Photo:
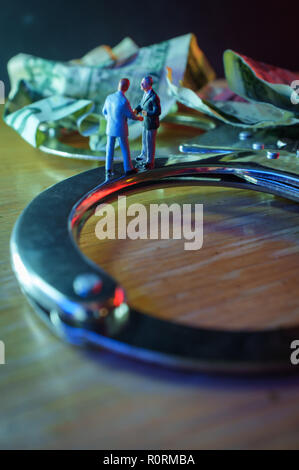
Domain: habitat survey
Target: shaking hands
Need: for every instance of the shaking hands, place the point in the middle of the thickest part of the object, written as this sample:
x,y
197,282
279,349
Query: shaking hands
x,y
138,118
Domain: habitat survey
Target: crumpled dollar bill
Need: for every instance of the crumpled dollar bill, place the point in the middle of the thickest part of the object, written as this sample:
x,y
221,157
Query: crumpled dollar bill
x,y
258,95
257,81
70,95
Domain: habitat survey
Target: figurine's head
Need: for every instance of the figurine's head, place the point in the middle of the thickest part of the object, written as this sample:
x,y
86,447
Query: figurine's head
x,y
123,84
146,83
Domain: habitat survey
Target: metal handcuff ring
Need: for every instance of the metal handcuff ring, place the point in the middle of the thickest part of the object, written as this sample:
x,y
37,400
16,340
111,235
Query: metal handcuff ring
x,y
49,265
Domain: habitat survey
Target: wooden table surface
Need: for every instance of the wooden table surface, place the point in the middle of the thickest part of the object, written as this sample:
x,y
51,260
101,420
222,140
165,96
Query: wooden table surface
x,y
55,396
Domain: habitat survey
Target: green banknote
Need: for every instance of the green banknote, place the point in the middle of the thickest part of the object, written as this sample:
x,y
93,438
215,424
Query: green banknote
x,y
71,94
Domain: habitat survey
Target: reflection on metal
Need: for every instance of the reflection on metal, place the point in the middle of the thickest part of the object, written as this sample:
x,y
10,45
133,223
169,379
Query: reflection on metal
x,y
225,136
197,121
54,147
2,353
258,146
47,261
2,92
187,148
272,155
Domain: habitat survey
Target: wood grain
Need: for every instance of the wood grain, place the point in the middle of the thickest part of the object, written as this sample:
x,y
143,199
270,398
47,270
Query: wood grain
x,y
56,396
250,239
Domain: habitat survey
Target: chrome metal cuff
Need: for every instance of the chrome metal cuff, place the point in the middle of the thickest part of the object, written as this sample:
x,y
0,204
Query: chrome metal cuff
x,y
51,269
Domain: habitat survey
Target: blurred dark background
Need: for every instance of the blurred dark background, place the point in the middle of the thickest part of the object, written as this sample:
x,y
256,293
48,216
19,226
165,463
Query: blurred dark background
x,y
62,30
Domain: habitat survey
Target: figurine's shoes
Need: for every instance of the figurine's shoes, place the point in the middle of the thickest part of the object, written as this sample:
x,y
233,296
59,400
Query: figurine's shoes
x,y
133,171
149,166
109,174
140,158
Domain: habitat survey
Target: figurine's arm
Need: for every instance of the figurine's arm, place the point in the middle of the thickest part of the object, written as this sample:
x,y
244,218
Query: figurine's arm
x,y
130,113
138,109
104,110
156,111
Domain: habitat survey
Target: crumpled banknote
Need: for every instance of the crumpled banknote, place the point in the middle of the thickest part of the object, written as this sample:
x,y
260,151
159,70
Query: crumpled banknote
x,y
257,81
70,95
258,95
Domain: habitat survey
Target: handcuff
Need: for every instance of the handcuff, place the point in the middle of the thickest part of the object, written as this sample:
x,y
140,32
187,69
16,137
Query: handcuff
x,y
84,305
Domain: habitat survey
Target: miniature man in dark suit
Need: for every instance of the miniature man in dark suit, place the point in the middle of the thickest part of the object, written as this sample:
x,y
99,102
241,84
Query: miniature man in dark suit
x,y
151,110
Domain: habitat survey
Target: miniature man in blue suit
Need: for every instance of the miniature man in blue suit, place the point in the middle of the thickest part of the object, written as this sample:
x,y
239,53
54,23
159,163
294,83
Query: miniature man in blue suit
x,y
117,111
151,109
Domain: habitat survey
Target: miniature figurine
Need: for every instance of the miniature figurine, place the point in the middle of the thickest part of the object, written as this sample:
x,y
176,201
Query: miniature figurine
x,y
151,110
117,110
